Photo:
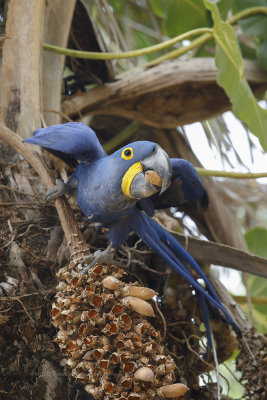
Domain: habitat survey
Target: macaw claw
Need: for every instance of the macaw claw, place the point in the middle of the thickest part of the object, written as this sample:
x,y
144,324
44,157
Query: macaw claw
x,y
56,191
99,257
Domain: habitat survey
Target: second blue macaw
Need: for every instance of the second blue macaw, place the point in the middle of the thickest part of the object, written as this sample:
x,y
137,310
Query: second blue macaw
x,y
122,190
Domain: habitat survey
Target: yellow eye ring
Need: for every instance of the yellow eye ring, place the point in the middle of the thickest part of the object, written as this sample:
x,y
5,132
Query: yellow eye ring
x,y
127,153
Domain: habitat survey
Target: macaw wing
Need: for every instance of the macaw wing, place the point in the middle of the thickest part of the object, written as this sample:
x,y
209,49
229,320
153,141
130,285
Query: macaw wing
x,y
73,138
186,188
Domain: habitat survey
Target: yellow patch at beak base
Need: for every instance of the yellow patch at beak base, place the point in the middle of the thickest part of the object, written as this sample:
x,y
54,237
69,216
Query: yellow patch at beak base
x,y
128,178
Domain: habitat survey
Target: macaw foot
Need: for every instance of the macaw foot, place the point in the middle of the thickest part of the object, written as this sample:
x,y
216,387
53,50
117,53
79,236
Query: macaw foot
x,y
56,191
99,257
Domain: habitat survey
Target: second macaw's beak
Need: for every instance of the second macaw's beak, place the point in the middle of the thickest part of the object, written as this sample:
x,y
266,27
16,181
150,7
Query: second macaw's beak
x,y
152,175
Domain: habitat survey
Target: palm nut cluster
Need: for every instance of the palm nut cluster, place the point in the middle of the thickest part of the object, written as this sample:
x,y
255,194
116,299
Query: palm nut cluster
x,y
105,334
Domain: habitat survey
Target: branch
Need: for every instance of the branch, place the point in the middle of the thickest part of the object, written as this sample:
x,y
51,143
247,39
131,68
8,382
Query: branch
x,y
92,55
150,96
231,174
227,300
254,299
182,50
72,232
223,255
160,46
207,36
247,13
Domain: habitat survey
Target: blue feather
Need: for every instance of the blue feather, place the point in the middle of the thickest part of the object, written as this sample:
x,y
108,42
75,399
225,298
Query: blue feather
x,y
71,138
171,251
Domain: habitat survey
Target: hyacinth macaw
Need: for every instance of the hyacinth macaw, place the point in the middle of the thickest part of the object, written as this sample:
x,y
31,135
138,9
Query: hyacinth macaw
x,y
122,190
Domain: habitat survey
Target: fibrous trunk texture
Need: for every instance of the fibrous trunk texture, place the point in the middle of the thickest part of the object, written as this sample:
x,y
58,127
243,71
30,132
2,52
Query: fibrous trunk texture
x,y
22,49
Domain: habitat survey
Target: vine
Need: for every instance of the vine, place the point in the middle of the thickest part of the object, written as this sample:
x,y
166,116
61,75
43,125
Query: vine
x,y
206,34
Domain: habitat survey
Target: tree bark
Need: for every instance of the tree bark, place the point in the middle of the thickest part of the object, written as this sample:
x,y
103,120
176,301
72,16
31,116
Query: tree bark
x,y
165,96
22,49
58,19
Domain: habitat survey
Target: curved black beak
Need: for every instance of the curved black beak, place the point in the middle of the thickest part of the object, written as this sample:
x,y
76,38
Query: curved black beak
x,y
160,163
155,177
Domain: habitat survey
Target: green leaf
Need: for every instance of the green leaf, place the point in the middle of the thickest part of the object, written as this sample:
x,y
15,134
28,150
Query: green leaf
x,y
231,77
184,15
259,317
240,5
247,51
256,239
142,40
256,25
224,6
262,54
158,7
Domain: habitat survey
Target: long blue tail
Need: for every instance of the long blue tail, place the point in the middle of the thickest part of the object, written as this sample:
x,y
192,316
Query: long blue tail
x,y
164,244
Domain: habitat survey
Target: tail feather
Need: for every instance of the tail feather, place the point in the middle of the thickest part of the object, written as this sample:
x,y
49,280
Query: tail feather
x,y
180,252
146,230
163,243
205,312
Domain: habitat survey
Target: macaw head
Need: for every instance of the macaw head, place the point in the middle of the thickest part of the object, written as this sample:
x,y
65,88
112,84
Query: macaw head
x,y
147,169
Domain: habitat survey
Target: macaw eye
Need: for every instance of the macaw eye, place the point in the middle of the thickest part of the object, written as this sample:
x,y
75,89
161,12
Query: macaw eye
x,y
127,153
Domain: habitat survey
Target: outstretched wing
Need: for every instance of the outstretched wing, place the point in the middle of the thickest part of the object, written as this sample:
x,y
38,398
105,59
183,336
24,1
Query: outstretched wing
x,y
72,138
186,188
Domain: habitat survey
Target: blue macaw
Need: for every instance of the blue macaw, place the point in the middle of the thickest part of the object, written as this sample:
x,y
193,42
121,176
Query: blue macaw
x,y
122,190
